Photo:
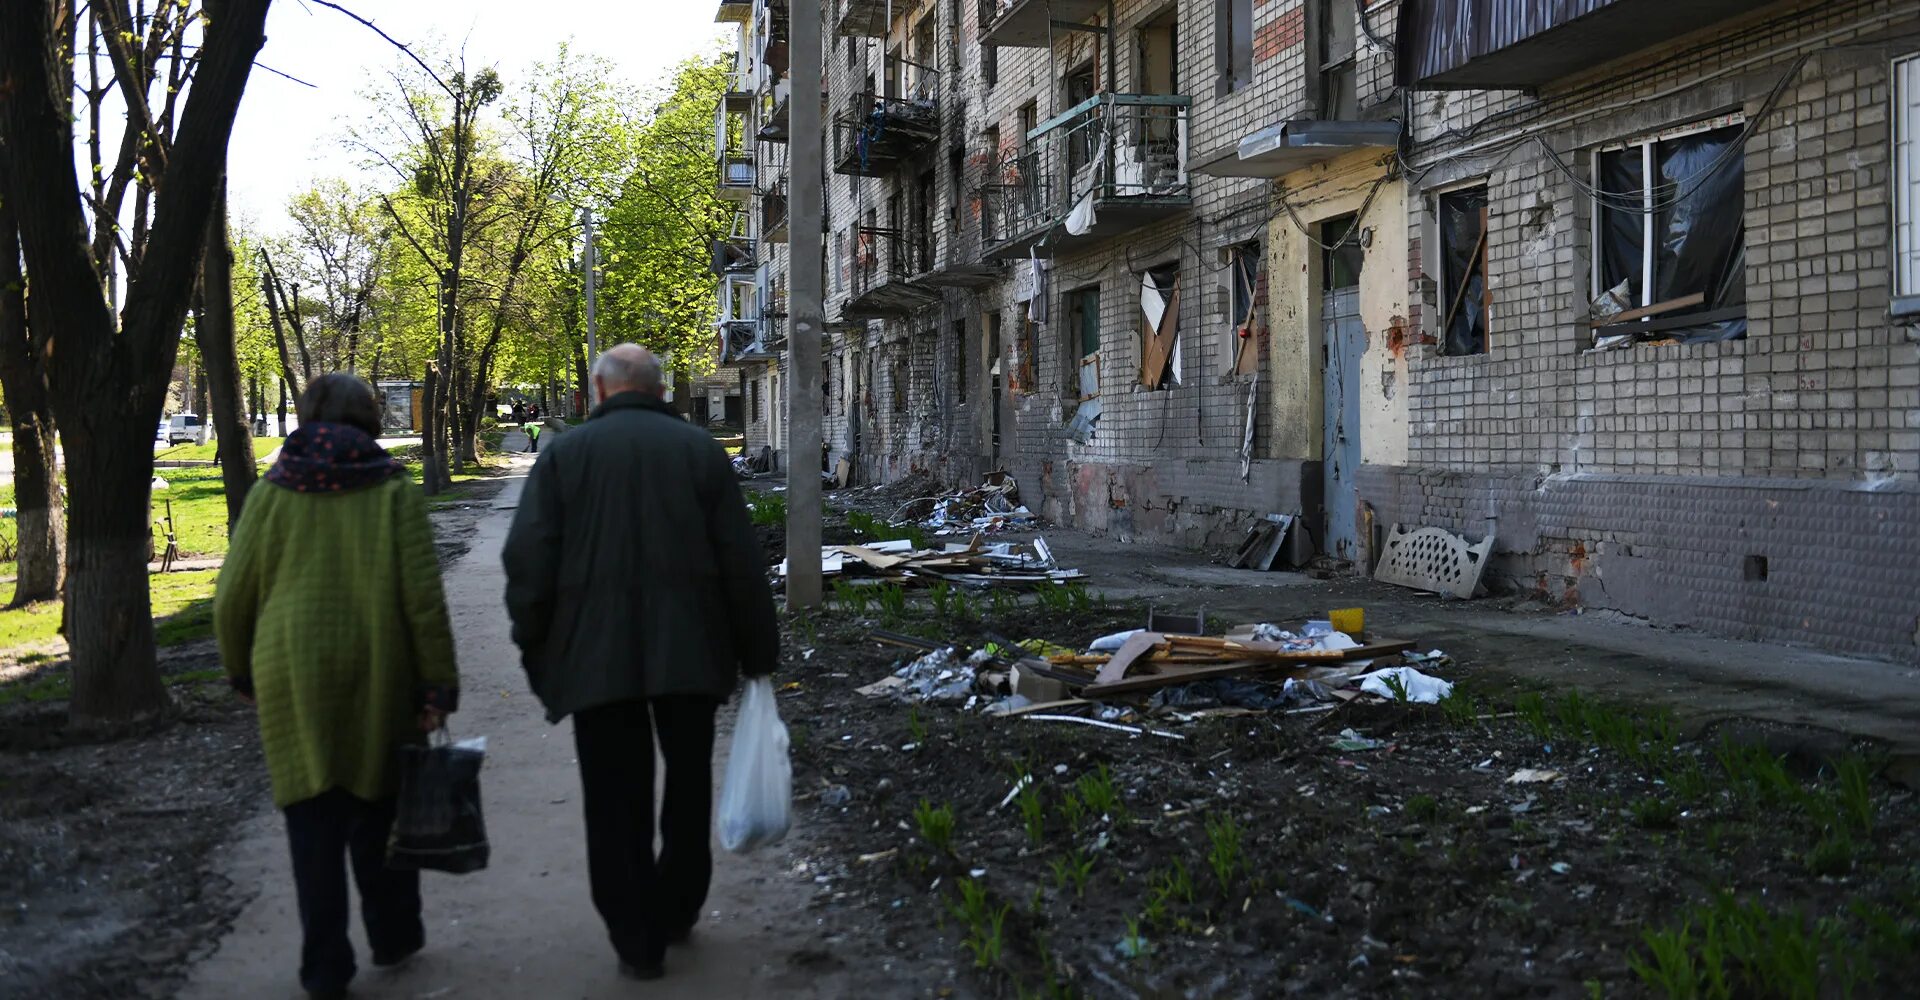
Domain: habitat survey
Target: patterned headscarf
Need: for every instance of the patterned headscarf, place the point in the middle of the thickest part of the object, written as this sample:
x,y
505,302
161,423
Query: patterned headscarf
x,y
332,458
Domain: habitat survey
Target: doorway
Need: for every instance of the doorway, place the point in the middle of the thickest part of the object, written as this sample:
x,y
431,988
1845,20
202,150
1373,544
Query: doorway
x,y
1342,341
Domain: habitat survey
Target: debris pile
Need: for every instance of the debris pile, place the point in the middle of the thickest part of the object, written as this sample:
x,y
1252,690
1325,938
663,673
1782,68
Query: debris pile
x,y
1130,675
976,563
993,506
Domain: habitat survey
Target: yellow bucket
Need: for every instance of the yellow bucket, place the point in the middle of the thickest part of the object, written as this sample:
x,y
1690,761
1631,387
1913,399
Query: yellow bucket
x,y
1352,621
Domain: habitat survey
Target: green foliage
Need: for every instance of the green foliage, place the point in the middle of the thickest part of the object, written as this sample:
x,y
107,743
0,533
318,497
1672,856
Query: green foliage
x,y
1460,709
985,923
871,528
1033,811
1833,856
1532,709
915,727
1653,813
936,825
851,597
1098,794
1396,688
1423,808
1727,948
768,510
892,600
1075,869
1226,850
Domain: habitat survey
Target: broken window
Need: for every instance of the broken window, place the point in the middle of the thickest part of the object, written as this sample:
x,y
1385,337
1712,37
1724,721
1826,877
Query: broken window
x,y
1025,349
753,394
1462,278
826,385
1083,337
1245,263
1906,186
1232,44
960,359
1669,258
1160,327
990,64
1335,24
900,383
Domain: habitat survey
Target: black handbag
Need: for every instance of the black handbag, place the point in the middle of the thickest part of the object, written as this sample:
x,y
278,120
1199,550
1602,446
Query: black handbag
x,y
437,823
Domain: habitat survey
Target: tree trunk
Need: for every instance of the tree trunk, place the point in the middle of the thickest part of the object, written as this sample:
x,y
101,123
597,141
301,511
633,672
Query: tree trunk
x,y
36,486
431,422
283,407
110,613
582,383
220,365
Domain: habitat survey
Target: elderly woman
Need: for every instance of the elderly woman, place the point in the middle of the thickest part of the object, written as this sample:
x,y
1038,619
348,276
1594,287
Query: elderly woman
x,y
331,618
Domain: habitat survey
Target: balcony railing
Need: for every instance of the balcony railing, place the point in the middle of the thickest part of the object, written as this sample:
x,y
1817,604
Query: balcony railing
x,y
875,133
1025,23
773,212
732,256
736,176
1111,164
737,98
734,12
743,340
883,263
1513,44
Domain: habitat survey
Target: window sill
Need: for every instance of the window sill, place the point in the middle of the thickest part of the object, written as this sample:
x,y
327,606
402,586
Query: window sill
x,y
1906,307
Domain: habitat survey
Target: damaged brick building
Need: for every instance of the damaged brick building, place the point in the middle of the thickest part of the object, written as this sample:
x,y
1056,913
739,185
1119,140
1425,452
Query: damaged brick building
x,y
1630,285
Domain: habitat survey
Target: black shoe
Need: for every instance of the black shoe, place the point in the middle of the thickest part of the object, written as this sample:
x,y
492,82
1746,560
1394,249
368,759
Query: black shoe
x,y
387,960
646,971
683,935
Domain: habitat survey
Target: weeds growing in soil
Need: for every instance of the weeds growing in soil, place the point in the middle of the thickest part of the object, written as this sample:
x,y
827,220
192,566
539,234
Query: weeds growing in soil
x,y
1460,709
1226,850
892,600
1002,602
1173,883
768,510
1073,810
1396,688
985,923
1532,709
1652,813
1729,949
869,527
1831,857
1099,796
1033,811
936,825
1423,808
1075,869
916,728
851,598
1053,597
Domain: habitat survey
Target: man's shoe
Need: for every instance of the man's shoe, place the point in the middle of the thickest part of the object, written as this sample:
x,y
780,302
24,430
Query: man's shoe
x,y
683,935
644,971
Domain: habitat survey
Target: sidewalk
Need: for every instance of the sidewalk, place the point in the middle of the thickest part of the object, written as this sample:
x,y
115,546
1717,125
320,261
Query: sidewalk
x,y
526,926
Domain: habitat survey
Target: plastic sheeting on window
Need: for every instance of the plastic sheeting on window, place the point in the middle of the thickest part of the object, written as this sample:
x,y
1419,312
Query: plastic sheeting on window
x,y
1463,242
1699,234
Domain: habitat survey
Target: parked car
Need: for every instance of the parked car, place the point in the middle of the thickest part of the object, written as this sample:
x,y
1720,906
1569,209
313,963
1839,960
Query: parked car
x,y
160,434
183,428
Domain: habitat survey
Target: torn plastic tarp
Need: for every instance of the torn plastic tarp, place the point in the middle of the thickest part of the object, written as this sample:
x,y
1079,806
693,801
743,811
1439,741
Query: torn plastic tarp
x,y
942,675
1082,425
1421,688
1698,230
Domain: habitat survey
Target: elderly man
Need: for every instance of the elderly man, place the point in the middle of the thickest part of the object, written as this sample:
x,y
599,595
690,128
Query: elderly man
x,y
638,591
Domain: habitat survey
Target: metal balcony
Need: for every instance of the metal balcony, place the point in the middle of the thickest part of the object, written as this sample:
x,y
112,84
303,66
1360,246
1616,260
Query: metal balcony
x,y
743,341
735,176
1518,44
735,12
732,256
884,263
866,18
1027,23
737,99
1107,166
773,212
875,133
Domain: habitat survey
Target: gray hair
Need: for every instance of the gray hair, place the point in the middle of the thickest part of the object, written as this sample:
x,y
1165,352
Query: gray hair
x,y
629,367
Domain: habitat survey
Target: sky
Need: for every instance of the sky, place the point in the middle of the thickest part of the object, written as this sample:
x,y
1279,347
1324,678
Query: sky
x,y
288,134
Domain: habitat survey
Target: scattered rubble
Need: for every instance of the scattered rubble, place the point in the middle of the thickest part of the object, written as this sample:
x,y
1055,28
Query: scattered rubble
x,y
974,564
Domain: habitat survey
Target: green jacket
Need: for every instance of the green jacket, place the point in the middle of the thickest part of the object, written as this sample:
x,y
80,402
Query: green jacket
x,y
329,610
633,570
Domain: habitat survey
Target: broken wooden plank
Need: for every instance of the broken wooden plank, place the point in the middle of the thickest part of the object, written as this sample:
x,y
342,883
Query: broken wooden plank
x,y
1696,299
1046,706
1137,645
1170,678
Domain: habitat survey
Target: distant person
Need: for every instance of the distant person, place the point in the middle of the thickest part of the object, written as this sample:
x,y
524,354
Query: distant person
x,y
532,431
638,592
519,412
331,619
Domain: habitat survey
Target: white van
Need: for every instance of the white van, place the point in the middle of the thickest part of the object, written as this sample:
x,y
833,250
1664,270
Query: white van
x,y
183,428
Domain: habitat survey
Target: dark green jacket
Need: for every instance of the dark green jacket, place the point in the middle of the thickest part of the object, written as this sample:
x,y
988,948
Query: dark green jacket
x,y
633,570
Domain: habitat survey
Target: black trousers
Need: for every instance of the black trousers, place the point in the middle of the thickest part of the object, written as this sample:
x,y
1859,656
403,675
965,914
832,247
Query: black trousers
x,y
645,898
324,832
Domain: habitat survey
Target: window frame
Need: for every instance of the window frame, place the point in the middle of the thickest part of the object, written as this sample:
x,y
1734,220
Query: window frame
x,y
1904,113
1233,33
1646,141
1444,281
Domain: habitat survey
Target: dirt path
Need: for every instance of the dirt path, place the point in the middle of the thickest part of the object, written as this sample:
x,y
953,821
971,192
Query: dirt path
x,y
526,926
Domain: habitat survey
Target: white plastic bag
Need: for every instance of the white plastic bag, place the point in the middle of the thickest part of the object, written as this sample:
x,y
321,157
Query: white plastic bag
x,y
756,803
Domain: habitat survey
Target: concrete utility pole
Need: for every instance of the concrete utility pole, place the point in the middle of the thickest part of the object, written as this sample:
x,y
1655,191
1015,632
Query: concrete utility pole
x,y
806,241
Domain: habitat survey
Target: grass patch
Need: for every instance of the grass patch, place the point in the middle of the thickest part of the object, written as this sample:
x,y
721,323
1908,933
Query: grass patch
x,y
262,447
182,612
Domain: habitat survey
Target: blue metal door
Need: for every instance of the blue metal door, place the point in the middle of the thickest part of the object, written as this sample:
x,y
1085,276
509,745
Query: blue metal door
x,y
1343,341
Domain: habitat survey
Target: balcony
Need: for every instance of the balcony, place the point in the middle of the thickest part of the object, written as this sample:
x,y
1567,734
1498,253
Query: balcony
x,y
1109,165
876,133
737,99
736,176
884,263
773,212
865,18
743,341
732,256
735,12
1025,23
1520,44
